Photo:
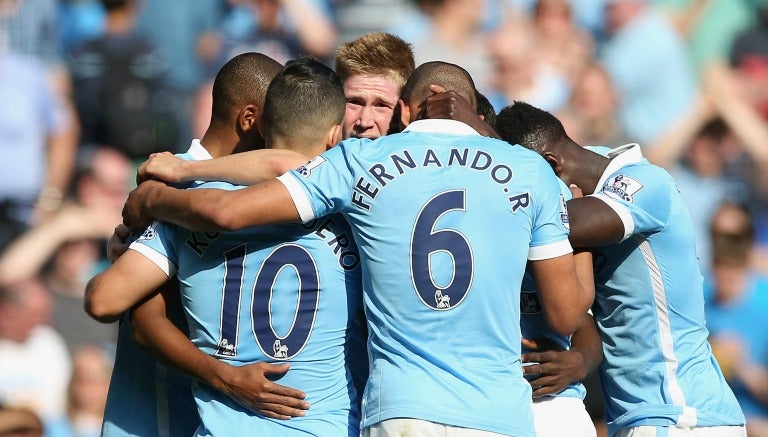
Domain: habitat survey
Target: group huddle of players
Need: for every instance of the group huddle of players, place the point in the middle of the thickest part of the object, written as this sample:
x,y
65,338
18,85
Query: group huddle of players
x,y
384,255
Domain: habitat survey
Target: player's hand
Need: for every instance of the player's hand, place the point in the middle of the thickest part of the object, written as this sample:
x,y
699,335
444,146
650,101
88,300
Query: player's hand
x,y
164,166
250,386
117,243
576,191
448,104
135,214
554,368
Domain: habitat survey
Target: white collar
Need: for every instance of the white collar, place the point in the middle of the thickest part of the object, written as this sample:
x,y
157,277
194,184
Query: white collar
x,y
198,152
620,157
441,126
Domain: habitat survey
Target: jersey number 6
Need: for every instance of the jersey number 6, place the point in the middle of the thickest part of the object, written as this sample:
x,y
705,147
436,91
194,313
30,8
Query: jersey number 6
x,y
426,242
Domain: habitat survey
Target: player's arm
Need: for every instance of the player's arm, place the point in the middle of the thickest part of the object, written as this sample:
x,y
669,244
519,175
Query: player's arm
x,y
250,385
555,368
131,278
593,223
247,168
564,298
210,210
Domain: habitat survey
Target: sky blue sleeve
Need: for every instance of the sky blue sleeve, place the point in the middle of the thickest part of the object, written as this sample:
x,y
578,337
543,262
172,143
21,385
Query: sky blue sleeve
x,y
640,195
324,185
157,244
549,236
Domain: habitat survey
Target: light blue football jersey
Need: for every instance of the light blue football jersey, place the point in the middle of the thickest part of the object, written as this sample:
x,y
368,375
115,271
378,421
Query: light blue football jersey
x,y
658,368
445,220
287,293
145,397
533,324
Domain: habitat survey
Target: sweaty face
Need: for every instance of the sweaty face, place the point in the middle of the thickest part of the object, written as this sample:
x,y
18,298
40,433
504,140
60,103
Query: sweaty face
x,y
370,103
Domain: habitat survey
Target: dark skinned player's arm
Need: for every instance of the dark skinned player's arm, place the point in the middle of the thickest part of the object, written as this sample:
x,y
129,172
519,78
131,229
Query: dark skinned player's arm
x,y
250,384
555,368
593,223
210,210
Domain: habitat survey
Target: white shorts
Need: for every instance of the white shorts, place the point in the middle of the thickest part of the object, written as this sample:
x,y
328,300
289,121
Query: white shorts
x,y
405,427
674,431
557,416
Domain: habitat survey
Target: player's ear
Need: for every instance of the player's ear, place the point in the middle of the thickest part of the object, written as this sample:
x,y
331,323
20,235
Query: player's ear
x,y
248,118
554,161
405,112
333,137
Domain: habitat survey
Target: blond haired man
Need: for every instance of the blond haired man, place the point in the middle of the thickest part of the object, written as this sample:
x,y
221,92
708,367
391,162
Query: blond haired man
x,y
373,69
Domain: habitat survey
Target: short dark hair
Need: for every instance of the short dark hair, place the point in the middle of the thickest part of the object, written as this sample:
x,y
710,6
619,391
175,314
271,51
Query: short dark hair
x,y
450,76
243,80
529,126
485,109
303,101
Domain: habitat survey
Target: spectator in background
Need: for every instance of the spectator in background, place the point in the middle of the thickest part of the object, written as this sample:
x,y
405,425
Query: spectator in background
x,y
180,31
520,73
36,144
280,29
70,243
649,64
31,28
116,80
737,298
591,115
710,26
34,363
717,150
560,42
456,35
749,56
86,394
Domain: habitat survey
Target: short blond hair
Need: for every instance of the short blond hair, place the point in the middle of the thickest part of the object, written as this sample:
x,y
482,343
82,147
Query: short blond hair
x,y
376,53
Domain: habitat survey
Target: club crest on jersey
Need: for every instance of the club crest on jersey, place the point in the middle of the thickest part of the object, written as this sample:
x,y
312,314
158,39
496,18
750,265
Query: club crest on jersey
x,y
149,233
529,302
306,169
622,187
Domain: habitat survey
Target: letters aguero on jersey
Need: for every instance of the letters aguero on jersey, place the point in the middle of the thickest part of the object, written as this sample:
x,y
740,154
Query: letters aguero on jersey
x,y
399,163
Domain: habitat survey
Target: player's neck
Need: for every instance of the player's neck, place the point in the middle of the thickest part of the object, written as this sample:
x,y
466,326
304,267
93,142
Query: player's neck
x,y
219,143
291,144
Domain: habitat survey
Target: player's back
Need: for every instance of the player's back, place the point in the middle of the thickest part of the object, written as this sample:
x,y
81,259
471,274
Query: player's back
x,y
658,368
145,397
273,294
445,224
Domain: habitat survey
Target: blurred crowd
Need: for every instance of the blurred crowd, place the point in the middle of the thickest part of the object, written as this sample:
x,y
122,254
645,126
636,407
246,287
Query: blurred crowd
x,y
88,88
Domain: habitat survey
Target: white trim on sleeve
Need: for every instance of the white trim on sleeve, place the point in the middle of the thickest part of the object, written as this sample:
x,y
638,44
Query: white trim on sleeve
x,y
551,250
622,211
299,196
156,257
